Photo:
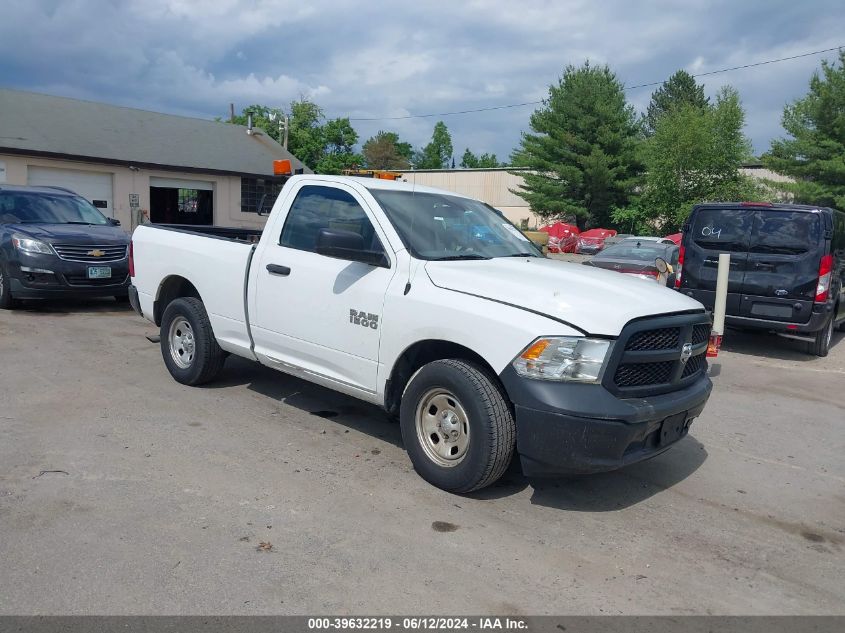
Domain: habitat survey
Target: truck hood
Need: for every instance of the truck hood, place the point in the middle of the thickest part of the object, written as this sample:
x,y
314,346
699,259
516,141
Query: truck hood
x,y
101,234
593,300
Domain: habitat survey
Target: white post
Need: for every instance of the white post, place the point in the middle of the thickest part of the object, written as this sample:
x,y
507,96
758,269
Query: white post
x,y
721,293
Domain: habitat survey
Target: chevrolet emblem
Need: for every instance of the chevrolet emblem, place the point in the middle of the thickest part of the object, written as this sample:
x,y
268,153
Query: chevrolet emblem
x,y
96,253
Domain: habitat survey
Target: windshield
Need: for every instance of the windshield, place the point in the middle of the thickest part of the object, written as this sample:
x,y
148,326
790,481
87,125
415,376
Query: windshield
x,y
646,251
44,208
437,226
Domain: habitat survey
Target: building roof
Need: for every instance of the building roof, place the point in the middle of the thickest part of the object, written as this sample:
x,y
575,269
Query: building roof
x,y
44,125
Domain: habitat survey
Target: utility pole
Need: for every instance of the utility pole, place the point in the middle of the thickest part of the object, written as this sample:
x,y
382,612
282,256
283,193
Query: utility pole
x,y
284,124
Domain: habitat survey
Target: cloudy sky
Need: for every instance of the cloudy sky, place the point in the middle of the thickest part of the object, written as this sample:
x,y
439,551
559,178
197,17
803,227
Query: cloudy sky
x,y
379,59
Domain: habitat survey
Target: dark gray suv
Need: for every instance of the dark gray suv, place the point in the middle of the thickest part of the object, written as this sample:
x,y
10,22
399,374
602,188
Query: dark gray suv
x,y
54,243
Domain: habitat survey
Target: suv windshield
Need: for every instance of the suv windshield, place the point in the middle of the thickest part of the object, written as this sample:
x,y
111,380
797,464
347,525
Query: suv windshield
x,y
441,227
44,208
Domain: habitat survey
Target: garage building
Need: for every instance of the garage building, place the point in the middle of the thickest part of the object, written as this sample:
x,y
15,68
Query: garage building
x,y
134,164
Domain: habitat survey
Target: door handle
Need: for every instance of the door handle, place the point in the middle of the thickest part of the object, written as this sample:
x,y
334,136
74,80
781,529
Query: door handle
x,y
763,265
275,269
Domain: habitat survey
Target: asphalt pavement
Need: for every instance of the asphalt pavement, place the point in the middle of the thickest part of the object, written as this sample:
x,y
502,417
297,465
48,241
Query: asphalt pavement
x,y
124,492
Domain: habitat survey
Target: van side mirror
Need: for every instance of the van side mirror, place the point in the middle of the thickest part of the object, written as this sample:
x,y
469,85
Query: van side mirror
x,y
348,245
114,221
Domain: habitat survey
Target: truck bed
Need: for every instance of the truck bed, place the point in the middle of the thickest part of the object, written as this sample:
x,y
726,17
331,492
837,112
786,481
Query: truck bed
x,y
234,234
214,260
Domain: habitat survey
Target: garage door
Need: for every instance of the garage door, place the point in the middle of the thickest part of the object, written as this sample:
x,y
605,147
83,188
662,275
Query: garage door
x,y
91,185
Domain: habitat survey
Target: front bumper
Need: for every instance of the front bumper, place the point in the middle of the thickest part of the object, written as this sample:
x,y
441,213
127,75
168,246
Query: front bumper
x,y
46,277
569,428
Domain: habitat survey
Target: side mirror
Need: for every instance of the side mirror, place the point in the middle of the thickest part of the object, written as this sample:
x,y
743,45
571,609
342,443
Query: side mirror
x,y
348,245
661,265
114,222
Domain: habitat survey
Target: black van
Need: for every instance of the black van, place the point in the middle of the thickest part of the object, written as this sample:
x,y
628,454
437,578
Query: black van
x,y
787,266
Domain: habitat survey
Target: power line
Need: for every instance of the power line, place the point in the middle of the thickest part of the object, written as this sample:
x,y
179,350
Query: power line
x,y
653,83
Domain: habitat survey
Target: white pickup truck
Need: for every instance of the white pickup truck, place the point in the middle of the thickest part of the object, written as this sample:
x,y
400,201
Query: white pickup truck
x,y
433,306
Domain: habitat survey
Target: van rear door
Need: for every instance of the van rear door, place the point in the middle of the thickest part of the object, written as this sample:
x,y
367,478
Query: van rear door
x,y
782,265
715,230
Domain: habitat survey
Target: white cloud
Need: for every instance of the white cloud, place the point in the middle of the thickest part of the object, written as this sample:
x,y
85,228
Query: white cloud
x,y
360,60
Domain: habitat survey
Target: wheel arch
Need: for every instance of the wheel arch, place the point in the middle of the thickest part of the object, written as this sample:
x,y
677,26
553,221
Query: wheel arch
x,y
421,353
171,288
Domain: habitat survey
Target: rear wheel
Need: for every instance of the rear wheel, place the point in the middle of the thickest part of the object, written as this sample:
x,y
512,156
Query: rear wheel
x,y
188,346
821,344
7,302
457,426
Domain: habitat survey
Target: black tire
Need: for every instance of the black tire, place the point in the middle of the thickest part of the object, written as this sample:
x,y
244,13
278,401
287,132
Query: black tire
x,y
122,298
205,359
491,431
821,344
7,301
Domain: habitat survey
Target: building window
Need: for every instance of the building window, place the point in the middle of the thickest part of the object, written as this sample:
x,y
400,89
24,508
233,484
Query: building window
x,y
254,189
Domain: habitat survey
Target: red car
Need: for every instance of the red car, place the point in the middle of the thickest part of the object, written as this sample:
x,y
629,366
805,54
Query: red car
x,y
563,237
592,241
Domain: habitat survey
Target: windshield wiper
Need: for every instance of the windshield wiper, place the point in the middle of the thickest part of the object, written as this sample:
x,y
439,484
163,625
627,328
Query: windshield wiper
x,y
457,257
521,255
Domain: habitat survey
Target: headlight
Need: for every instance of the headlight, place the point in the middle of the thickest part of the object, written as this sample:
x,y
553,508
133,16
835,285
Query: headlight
x,y
568,358
29,245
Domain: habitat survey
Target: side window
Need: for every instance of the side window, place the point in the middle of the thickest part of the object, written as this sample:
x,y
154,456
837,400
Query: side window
x,y
316,208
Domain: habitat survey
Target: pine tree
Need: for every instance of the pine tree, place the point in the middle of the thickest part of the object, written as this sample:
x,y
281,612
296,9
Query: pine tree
x,y
582,151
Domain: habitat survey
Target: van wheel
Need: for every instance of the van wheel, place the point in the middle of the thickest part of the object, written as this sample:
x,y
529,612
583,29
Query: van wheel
x,y
7,302
821,345
457,426
188,346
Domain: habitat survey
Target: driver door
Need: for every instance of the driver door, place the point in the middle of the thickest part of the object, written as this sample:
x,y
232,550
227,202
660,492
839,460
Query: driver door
x,y
317,313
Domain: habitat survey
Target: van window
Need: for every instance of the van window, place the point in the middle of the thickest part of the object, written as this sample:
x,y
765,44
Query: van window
x,y
786,232
722,229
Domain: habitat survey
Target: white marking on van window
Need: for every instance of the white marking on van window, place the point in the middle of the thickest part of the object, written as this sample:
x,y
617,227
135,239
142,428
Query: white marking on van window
x,y
710,231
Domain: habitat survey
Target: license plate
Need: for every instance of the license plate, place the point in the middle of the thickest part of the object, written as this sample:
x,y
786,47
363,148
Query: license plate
x,y
99,272
673,428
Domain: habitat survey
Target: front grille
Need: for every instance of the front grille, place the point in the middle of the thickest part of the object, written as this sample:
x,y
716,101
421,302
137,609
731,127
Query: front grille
x,y
700,333
694,365
90,253
646,359
639,374
82,280
663,338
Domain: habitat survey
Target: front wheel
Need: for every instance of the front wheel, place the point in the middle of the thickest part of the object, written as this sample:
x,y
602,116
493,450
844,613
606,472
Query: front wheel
x,y
821,343
7,302
188,346
457,426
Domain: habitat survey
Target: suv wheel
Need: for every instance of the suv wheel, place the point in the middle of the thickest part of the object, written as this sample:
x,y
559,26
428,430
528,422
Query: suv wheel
x,y
821,345
457,426
7,302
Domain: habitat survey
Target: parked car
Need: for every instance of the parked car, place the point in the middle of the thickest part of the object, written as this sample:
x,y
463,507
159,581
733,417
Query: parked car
x,y
54,243
615,239
563,238
592,240
380,290
638,258
787,266
649,238
675,238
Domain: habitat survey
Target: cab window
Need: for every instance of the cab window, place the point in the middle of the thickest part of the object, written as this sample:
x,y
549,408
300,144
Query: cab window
x,y
317,207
